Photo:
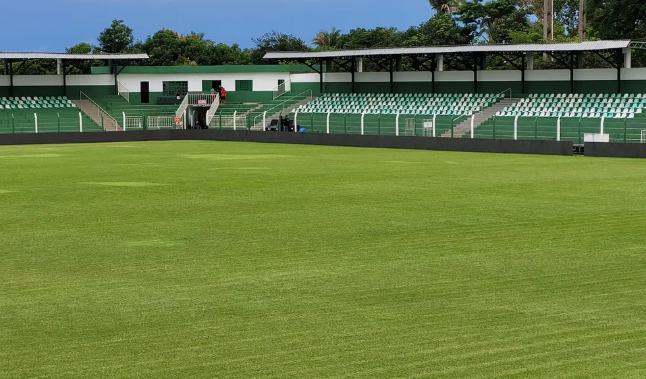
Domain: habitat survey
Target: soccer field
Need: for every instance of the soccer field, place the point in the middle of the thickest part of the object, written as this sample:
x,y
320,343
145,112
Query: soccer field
x,y
239,260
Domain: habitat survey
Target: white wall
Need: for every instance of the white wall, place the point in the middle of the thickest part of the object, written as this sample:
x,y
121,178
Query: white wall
x,y
633,74
499,76
261,81
5,81
454,76
305,78
547,75
90,80
37,80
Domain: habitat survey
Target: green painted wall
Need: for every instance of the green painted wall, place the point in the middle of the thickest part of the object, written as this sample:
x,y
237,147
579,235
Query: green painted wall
x,y
249,96
72,92
597,86
302,87
547,87
498,87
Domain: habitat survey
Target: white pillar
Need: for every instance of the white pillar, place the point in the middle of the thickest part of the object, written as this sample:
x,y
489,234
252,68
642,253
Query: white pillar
x,y
530,61
558,129
363,115
234,119
434,117
80,122
603,120
473,125
59,67
516,127
124,121
628,58
296,120
264,120
440,62
397,125
327,122
360,64
35,122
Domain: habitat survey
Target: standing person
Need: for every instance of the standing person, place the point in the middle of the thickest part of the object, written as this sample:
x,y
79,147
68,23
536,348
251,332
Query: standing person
x,y
178,96
212,94
223,94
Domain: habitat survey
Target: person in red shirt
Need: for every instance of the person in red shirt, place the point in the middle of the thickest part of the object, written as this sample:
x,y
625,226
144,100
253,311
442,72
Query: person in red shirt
x,y
223,95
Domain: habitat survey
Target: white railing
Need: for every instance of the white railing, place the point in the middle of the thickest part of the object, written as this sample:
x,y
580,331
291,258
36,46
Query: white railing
x,y
132,122
273,110
101,113
282,89
235,122
180,111
161,122
508,90
201,99
123,91
214,108
643,136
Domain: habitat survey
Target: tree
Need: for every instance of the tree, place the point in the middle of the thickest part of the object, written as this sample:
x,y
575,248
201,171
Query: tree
x,y
79,67
617,19
444,6
275,41
325,40
118,38
495,20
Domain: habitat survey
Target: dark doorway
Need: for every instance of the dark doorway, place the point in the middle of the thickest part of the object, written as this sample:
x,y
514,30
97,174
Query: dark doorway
x,y
145,92
215,84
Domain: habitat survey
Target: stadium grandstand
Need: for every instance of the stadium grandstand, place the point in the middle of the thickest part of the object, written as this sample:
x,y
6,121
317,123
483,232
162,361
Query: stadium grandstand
x,y
330,92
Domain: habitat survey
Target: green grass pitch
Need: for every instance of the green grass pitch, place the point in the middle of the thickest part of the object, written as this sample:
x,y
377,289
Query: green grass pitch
x,y
233,260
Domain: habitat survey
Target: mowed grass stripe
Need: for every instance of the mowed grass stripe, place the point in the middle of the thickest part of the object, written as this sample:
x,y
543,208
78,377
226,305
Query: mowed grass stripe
x,y
254,260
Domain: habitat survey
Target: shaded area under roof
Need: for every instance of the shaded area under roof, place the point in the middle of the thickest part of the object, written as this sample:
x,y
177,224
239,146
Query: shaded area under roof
x,y
458,49
18,56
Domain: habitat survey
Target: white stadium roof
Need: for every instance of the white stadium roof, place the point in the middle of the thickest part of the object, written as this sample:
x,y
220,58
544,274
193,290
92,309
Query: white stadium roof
x,y
459,49
20,56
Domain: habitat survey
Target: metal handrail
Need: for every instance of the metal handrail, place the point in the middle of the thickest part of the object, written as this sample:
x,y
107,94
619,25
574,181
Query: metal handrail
x,y
504,91
98,106
281,105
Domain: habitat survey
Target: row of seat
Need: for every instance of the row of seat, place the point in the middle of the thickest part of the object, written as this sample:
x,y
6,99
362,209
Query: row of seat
x,y
586,96
565,114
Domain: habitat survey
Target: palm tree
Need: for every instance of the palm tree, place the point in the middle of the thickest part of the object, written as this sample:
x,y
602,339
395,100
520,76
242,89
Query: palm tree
x,y
327,40
443,6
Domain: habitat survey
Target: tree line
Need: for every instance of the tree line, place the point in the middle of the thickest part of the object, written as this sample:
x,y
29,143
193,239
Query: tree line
x,y
455,22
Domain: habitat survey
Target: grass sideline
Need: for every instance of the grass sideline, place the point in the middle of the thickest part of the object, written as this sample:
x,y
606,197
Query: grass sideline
x,y
238,260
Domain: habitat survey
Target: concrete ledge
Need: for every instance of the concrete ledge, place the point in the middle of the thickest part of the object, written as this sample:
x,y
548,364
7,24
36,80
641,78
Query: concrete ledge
x,y
615,150
419,143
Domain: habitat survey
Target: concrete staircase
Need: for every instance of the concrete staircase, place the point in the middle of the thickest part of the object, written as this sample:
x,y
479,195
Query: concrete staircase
x,y
481,117
98,115
259,126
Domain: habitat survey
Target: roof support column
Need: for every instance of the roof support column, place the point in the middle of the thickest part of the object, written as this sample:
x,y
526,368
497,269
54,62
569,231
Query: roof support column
x,y
64,69
475,73
392,78
321,75
59,63
522,73
530,61
10,72
627,57
433,68
571,72
360,64
440,62
353,69
618,59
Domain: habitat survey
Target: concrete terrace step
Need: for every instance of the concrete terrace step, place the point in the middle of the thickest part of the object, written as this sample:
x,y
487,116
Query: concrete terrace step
x,y
97,115
480,118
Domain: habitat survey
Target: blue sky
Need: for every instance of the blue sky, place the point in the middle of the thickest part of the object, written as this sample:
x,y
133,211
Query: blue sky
x,y
53,25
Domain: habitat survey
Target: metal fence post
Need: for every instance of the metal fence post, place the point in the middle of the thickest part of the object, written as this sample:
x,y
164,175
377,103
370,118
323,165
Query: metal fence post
x,y
296,120
625,129
36,122
434,118
379,124
494,127
452,132
327,122
235,113
13,124
58,119
363,115
473,125
80,122
397,125
579,130
536,128
558,129
516,127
